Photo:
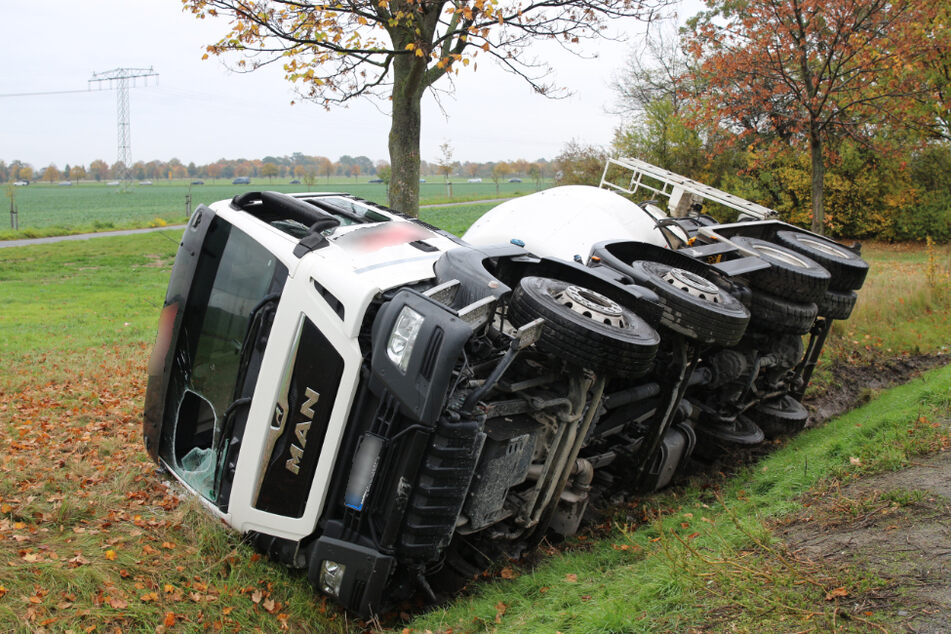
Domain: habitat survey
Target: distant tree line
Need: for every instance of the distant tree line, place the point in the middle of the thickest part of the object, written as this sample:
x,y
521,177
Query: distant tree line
x,y
896,196
836,113
307,169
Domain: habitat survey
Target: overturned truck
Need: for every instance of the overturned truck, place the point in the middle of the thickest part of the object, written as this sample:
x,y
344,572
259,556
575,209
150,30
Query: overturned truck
x,y
389,406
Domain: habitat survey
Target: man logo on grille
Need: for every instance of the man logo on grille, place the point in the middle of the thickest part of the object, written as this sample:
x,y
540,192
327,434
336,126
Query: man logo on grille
x,y
301,429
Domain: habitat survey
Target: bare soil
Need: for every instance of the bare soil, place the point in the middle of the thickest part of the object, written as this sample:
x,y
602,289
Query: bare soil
x,y
894,527
854,384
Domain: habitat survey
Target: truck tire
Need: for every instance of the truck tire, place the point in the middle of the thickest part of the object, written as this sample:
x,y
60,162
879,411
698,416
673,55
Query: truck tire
x,y
790,274
693,305
781,417
847,268
777,314
585,328
837,304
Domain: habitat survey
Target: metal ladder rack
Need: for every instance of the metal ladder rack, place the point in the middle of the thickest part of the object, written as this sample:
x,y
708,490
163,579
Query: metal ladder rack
x,y
674,186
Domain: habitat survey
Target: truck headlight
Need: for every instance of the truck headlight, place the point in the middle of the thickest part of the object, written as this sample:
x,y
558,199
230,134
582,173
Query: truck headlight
x,y
331,577
399,347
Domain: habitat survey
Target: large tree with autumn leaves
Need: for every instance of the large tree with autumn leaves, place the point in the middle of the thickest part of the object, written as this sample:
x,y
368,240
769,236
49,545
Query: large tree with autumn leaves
x,y
810,72
396,49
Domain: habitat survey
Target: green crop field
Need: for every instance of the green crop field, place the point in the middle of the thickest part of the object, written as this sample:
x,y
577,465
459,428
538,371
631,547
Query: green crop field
x,y
45,209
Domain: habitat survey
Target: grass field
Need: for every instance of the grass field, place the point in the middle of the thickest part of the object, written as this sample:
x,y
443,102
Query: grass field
x,y
90,537
55,210
904,306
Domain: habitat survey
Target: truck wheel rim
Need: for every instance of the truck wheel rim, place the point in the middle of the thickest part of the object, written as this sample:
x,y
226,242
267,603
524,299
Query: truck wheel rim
x,y
592,305
693,284
781,255
825,247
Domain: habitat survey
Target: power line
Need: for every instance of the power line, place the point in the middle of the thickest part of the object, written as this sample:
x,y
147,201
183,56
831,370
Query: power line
x,y
50,92
120,78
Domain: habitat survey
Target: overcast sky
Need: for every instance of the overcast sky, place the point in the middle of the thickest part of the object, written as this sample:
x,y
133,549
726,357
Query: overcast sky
x,y
200,111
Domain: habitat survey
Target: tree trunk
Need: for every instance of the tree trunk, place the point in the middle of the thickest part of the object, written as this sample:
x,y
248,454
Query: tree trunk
x,y
818,191
404,134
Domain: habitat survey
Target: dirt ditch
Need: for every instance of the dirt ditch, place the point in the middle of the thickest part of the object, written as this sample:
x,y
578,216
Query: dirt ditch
x,y
854,384
894,527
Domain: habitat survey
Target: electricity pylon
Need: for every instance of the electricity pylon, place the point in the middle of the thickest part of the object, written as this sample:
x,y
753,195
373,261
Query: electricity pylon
x,y
121,79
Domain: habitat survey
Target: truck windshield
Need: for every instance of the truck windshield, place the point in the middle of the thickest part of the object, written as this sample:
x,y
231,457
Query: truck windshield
x,y
234,277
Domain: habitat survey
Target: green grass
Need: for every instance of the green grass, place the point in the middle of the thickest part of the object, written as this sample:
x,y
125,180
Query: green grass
x,y
902,308
46,210
84,294
455,219
705,558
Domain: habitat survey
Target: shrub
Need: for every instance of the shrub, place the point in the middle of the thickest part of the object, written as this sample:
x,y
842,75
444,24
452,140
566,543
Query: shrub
x,y
932,217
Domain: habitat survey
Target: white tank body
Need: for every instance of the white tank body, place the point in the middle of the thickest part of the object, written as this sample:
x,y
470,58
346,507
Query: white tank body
x,y
565,221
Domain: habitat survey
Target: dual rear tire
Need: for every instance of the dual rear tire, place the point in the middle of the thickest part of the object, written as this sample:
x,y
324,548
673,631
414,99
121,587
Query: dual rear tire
x,y
693,305
808,277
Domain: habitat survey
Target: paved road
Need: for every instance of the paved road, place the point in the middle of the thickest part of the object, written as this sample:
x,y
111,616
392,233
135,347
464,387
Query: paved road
x,y
466,202
83,236
129,232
